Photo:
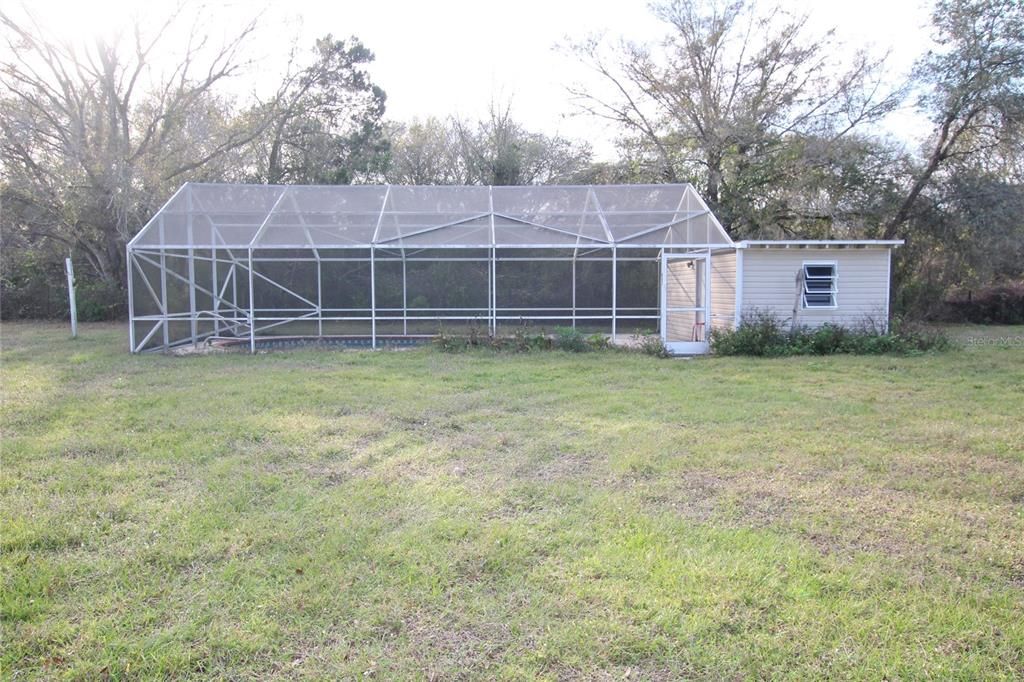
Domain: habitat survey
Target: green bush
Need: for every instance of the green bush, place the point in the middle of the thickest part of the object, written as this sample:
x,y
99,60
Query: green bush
x,y
449,343
599,342
995,304
760,334
765,335
524,339
571,340
100,302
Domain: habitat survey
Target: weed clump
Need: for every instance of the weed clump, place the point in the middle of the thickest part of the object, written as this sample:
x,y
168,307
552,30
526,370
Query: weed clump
x,y
526,339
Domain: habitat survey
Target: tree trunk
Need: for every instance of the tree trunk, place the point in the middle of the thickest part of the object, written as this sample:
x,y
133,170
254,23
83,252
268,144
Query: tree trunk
x,y
947,138
713,190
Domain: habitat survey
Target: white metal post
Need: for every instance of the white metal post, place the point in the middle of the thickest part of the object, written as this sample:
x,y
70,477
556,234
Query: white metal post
x,y
216,298
71,297
663,296
405,308
494,291
574,289
373,299
163,285
191,273
492,268
615,291
373,274
131,297
234,294
216,280
319,299
252,309
708,319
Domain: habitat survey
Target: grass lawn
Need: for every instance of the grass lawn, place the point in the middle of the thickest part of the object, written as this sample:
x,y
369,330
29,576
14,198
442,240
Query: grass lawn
x,y
314,514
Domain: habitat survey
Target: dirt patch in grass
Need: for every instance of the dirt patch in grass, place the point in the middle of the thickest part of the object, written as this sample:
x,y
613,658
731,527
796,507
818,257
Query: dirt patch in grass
x,y
444,645
843,519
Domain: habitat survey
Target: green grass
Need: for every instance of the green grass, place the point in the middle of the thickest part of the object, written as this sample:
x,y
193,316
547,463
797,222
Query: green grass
x,y
325,514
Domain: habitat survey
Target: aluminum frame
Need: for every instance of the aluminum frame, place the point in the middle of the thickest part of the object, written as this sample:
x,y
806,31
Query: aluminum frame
x,y
216,257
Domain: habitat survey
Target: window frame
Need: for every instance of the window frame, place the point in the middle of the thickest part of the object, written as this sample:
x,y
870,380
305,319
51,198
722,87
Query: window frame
x,y
833,290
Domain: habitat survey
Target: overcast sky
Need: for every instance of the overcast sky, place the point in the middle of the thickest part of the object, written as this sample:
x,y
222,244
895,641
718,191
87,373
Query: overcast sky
x,y
446,57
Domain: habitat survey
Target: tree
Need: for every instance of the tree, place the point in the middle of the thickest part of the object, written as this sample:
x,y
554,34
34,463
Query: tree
x,y
973,86
500,151
93,135
327,121
426,152
729,102
497,150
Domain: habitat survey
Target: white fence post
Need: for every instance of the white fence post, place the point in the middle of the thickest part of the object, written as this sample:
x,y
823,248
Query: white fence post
x,y
71,297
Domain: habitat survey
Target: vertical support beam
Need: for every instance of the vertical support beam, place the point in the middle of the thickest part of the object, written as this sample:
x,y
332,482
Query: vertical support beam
x,y
192,320
405,307
255,240
574,289
373,270
494,291
576,250
163,285
252,309
708,318
663,296
492,279
216,288
615,291
129,267
234,294
373,297
316,254
319,299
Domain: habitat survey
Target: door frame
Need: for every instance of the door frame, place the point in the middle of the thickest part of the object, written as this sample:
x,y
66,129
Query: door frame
x,y
686,347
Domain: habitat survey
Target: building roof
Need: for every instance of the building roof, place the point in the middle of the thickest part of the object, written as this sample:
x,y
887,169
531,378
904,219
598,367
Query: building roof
x,y
404,216
819,243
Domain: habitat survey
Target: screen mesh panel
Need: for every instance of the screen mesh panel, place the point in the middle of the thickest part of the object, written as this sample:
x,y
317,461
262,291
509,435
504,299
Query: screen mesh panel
x,y
267,216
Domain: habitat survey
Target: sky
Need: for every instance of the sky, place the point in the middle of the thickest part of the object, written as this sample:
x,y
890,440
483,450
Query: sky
x,y
454,57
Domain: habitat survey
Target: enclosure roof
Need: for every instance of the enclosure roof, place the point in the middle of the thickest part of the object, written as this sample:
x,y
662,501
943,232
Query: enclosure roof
x,y
417,216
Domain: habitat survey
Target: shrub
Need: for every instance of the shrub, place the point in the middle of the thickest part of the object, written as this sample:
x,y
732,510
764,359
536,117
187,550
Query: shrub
x,y
448,343
524,339
760,333
999,304
651,344
100,302
571,340
766,335
916,337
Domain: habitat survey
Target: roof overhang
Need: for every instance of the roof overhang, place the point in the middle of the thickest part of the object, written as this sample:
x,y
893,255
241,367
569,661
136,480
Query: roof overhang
x,y
820,244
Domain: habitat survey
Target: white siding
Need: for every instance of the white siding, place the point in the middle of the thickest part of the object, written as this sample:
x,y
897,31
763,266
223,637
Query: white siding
x,y
723,289
769,284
